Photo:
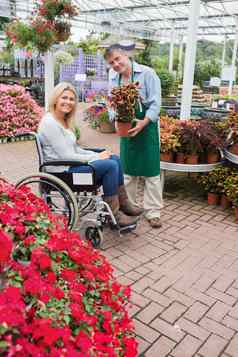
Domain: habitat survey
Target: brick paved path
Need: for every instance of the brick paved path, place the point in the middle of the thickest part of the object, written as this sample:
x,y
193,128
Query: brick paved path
x,y
184,276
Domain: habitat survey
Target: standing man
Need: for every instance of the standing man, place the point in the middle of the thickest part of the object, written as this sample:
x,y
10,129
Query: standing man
x,y
140,152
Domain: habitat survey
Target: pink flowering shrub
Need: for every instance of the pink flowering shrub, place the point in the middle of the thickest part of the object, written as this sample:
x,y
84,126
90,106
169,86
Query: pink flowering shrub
x,y
58,297
19,112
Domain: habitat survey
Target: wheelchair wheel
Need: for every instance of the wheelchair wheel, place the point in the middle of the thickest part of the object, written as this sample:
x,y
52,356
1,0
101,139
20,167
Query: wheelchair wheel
x,y
94,235
55,193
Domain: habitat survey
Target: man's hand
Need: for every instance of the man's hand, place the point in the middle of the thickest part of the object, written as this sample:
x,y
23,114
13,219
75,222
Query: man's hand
x,y
140,124
105,155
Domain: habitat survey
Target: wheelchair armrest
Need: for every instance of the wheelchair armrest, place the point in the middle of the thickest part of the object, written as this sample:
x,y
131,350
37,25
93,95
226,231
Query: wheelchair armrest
x,y
30,133
68,163
94,149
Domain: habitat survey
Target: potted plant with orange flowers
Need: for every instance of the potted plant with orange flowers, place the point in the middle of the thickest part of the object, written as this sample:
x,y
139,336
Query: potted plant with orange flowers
x,y
169,138
123,100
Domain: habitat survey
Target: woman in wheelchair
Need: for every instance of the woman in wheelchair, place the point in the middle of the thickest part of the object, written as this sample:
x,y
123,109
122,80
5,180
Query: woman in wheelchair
x,y
59,143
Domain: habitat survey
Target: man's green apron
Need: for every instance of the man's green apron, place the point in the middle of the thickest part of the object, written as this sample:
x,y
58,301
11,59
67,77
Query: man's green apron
x,y
140,155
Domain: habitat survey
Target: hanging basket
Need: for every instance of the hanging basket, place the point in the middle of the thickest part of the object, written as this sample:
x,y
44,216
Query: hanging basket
x,y
62,36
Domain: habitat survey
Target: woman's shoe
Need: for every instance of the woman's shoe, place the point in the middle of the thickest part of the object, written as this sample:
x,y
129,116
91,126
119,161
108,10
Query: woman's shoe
x,y
122,219
126,206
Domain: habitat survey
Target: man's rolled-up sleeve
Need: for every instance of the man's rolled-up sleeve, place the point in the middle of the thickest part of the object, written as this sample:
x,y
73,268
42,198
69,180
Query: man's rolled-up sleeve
x,y
153,102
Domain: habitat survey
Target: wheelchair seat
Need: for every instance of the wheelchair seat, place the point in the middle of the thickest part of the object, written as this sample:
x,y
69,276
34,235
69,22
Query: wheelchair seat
x,y
78,182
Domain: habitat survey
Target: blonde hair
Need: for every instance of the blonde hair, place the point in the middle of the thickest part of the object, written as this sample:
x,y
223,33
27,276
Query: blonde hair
x,y
57,92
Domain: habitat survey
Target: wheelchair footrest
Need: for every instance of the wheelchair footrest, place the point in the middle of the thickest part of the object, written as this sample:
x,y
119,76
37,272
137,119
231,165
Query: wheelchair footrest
x,y
128,228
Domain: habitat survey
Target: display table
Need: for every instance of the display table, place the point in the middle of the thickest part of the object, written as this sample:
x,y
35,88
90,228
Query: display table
x,y
231,157
172,166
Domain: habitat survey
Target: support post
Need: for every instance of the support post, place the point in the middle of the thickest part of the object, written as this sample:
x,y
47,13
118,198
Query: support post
x,y
49,76
171,49
233,62
223,54
190,57
180,59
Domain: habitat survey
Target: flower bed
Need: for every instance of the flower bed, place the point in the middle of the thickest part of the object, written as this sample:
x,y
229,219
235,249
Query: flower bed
x,y
58,296
20,113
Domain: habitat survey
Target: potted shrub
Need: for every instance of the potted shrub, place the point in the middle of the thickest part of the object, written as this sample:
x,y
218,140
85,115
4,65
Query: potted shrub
x,y
105,125
209,183
190,141
232,132
221,173
231,190
123,99
211,141
91,72
169,138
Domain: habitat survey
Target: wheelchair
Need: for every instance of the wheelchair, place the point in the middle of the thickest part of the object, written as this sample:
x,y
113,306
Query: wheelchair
x,y
76,196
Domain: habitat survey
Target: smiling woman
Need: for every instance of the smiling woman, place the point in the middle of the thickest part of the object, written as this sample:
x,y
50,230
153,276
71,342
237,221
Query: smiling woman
x,y
59,143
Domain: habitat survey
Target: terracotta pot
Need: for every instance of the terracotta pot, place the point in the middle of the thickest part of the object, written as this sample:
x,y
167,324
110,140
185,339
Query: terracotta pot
x,y
236,212
106,127
192,159
122,128
213,157
180,158
234,149
225,202
213,198
166,156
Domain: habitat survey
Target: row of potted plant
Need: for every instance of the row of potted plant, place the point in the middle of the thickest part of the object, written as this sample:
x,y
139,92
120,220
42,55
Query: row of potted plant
x,y
221,185
58,296
190,141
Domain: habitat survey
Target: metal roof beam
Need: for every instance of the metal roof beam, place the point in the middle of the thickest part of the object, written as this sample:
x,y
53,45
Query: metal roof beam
x,y
184,18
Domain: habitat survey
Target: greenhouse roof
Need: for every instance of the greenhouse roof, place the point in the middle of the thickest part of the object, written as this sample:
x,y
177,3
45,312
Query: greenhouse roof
x,y
152,19
157,18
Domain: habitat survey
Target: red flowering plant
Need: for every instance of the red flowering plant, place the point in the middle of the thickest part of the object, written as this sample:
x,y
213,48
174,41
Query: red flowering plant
x,y
51,9
58,296
19,112
50,25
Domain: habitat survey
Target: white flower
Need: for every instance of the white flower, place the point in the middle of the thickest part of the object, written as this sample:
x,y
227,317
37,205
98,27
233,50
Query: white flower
x,y
63,57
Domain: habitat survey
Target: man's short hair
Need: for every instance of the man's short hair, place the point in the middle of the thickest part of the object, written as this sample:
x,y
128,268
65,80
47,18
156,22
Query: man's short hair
x,y
109,51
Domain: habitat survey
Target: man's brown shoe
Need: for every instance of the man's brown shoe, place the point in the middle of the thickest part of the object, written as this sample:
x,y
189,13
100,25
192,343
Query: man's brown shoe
x,y
155,222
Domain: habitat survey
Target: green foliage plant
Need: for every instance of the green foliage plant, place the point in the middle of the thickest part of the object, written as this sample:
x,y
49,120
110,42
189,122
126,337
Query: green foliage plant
x,y
231,188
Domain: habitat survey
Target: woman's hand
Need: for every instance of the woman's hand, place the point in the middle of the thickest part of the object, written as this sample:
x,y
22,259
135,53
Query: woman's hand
x,y
105,155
